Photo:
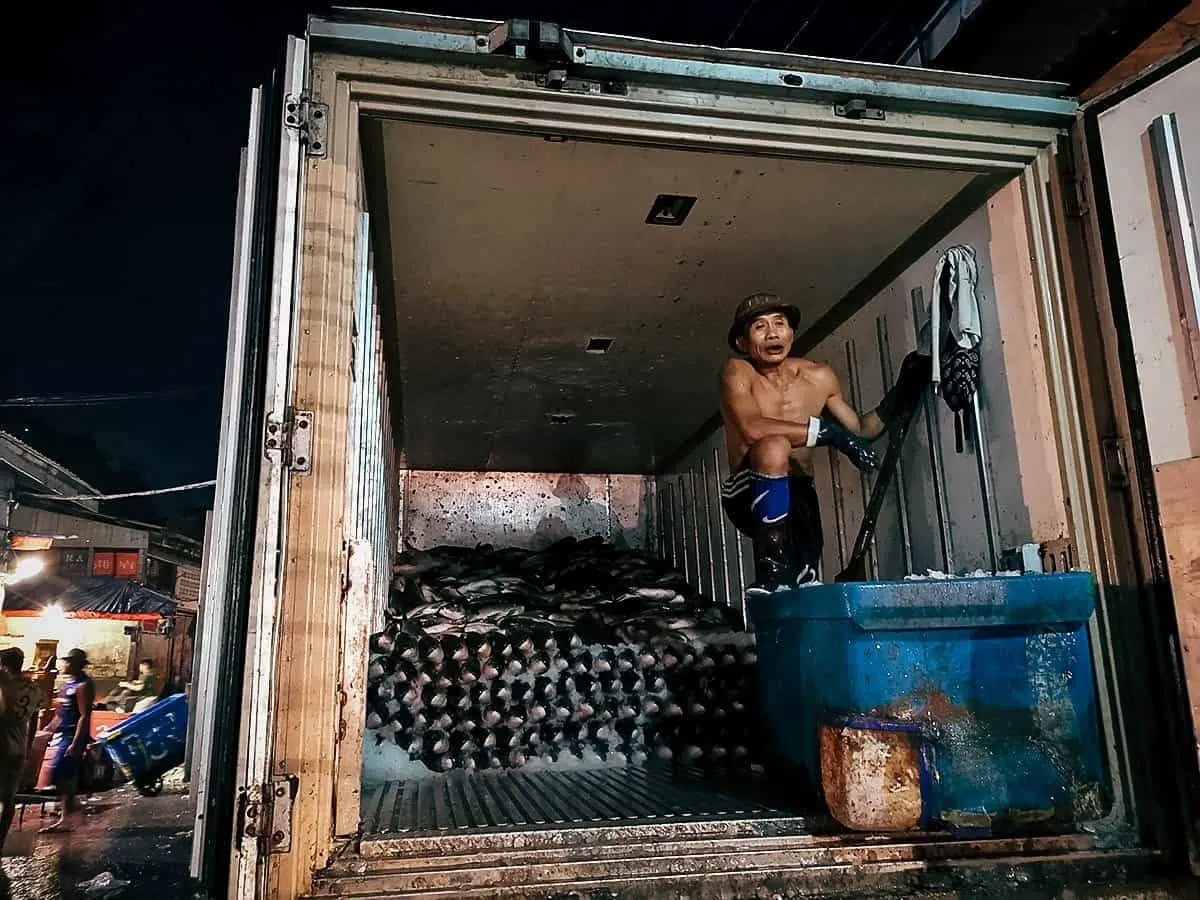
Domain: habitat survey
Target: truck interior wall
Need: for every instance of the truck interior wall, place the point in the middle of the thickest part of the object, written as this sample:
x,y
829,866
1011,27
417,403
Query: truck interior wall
x,y
372,496
525,509
1019,446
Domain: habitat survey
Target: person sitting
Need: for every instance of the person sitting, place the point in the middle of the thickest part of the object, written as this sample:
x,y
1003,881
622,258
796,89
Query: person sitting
x,y
131,694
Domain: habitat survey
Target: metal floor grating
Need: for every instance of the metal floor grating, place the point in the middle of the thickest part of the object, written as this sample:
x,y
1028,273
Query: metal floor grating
x,y
465,801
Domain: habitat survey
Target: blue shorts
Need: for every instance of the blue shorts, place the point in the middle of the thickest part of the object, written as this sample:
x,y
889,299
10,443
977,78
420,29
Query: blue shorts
x,y
64,769
804,513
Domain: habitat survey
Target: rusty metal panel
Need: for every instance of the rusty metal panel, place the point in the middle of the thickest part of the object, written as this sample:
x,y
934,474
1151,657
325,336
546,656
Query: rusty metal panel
x,y
525,509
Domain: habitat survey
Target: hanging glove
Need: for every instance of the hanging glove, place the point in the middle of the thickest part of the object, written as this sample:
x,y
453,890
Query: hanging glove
x,y
915,374
960,381
827,433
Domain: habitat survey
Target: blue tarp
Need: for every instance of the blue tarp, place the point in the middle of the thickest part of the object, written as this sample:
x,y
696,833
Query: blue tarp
x,y
101,594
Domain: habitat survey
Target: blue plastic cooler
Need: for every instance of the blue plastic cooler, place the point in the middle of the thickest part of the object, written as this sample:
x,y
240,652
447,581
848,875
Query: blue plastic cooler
x,y
996,671
151,743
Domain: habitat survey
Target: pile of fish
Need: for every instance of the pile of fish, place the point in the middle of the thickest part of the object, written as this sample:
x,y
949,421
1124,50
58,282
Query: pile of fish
x,y
493,658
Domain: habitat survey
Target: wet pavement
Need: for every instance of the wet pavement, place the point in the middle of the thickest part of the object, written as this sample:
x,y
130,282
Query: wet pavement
x,y
145,841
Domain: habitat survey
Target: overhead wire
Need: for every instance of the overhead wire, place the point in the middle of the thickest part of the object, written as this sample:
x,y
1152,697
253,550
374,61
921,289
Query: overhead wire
x,y
741,21
804,25
194,486
93,399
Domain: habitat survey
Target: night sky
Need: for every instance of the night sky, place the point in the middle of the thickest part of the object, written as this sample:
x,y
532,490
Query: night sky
x,y
119,163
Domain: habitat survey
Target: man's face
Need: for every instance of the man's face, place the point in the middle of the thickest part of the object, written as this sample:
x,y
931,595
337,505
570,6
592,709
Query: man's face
x,y
768,338
144,669
71,665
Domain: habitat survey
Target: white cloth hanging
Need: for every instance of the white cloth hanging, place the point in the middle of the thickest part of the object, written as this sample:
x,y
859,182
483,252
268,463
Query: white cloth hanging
x,y
955,310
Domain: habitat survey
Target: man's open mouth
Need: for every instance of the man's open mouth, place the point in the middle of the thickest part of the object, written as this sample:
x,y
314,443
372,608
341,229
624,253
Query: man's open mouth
x,y
774,348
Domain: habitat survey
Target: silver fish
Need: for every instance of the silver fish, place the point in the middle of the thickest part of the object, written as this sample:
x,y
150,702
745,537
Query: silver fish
x,y
482,586
664,595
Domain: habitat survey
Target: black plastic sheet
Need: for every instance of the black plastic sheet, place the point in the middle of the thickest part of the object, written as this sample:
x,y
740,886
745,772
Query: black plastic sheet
x,y
98,595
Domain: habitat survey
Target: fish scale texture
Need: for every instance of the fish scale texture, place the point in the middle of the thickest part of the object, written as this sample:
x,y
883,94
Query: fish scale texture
x,y
579,654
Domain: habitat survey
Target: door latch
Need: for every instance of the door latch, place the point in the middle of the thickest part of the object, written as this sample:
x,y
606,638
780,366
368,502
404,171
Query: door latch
x,y
562,81
857,108
288,440
311,119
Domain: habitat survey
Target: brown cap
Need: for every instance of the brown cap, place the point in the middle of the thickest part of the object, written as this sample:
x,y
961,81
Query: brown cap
x,y
78,655
759,305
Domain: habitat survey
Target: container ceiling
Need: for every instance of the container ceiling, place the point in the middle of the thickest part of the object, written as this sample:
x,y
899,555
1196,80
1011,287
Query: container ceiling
x,y
510,252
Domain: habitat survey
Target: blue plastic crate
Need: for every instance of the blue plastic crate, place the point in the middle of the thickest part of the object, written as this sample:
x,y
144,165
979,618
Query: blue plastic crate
x,y
997,671
150,743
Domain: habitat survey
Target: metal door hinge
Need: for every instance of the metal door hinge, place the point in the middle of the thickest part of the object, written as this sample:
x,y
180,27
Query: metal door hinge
x,y
311,119
265,814
857,109
288,440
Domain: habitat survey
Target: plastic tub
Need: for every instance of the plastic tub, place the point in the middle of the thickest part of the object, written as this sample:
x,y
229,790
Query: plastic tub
x,y
150,743
996,671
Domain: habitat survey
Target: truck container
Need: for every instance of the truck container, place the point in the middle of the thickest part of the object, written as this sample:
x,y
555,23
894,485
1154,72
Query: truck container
x,y
483,274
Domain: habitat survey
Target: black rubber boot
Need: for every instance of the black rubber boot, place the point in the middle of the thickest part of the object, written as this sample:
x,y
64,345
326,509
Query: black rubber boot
x,y
772,569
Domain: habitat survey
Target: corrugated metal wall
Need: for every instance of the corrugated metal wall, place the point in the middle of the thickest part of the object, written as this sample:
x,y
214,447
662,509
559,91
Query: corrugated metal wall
x,y
372,501
934,515
85,532
694,534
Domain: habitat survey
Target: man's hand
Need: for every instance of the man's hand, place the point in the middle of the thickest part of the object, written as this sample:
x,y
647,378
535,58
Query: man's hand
x,y
827,433
75,749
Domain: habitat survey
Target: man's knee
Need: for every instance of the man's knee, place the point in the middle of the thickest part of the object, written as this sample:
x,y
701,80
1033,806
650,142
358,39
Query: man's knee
x,y
770,455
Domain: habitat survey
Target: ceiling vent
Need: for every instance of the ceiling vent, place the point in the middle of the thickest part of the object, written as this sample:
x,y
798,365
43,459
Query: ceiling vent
x,y
560,418
598,345
670,209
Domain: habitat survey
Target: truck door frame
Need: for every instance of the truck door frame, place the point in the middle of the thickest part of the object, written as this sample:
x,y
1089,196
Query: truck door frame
x,y
235,687
1134,558
300,718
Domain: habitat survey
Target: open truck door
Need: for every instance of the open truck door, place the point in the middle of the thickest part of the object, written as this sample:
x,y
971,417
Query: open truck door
x,y
284,679
1129,191
261,437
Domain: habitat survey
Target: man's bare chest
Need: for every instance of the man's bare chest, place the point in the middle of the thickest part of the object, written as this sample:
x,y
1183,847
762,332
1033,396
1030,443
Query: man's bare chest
x,y
796,397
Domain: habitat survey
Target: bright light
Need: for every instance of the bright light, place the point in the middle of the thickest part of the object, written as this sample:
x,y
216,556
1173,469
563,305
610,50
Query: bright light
x,y
54,614
27,567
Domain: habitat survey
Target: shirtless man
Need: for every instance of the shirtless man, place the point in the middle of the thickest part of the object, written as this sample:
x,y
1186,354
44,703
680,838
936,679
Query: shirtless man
x,y
776,409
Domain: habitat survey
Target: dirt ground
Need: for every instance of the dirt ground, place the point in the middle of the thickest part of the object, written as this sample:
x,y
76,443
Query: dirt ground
x,y
145,841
